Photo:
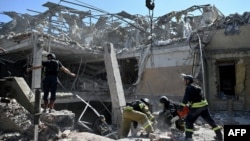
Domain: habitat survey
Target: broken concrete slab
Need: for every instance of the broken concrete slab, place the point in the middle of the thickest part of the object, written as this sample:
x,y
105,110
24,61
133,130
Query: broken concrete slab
x,y
63,119
87,137
19,89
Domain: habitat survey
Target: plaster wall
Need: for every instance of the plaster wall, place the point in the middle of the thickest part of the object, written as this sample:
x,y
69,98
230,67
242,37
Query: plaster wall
x,y
237,41
233,48
162,72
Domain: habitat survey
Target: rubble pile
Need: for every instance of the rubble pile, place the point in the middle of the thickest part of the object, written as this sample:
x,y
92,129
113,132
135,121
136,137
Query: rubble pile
x,y
127,32
235,118
14,117
16,124
63,119
56,125
81,40
15,121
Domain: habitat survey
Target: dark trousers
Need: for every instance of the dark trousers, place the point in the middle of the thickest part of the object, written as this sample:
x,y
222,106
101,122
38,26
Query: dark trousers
x,y
192,116
49,85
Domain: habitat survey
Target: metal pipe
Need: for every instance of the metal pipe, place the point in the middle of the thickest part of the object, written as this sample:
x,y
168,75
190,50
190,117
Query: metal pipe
x,y
202,66
37,112
87,106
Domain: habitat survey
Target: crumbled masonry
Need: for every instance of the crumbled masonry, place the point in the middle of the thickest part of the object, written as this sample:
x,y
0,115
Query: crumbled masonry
x,y
147,57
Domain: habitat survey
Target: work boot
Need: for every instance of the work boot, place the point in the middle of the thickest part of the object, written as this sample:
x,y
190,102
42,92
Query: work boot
x,y
188,139
45,105
188,136
219,135
51,106
217,138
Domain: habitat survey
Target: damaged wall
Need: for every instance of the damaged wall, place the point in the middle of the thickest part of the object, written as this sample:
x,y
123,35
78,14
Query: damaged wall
x,y
223,41
246,84
80,36
163,81
162,72
235,49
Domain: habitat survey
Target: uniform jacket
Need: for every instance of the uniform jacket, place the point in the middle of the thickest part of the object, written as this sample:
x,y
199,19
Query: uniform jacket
x,y
51,67
193,96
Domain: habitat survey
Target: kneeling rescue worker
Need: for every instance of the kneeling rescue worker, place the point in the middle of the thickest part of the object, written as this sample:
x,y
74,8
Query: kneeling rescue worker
x,y
169,113
198,107
137,111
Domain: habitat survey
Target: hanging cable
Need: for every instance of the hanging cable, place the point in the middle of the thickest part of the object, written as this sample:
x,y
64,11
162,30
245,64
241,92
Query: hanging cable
x,y
202,64
151,5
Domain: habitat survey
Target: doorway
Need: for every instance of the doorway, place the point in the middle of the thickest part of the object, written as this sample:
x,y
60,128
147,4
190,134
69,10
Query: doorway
x,y
227,79
128,70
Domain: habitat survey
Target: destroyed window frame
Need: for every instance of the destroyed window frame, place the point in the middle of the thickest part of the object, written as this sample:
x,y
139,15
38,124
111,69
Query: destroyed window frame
x,y
221,63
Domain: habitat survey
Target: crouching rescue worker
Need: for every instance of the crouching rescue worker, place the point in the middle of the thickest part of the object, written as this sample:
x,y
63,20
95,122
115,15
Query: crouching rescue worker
x,y
198,106
169,115
51,68
138,112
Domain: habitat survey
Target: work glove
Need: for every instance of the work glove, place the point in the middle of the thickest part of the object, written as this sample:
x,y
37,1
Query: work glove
x,y
180,107
174,119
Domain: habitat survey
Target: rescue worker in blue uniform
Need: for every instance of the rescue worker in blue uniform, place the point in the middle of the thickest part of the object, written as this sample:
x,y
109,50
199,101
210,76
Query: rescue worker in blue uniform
x,y
198,106
51,68
136,112
169,112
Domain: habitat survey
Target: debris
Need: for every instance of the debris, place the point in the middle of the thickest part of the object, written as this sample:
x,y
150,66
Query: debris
x,y
84,136
157,137
232,23
63,119
69,35
14,117
66,133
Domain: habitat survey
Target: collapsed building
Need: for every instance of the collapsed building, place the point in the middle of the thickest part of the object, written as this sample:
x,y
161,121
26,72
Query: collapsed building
x,y
212,47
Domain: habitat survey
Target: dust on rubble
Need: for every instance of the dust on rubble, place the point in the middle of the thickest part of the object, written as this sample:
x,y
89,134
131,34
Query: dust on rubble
x,y
17,124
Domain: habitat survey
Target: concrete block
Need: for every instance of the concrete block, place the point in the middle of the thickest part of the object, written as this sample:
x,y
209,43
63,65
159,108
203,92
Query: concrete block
x,y
64,119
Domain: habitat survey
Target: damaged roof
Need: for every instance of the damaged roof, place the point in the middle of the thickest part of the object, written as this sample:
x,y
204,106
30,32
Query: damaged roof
x,y
69,31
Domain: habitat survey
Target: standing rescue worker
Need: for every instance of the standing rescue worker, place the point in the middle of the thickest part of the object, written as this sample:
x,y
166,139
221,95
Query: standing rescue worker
x,y
198,106
138,112
51,68
168,113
